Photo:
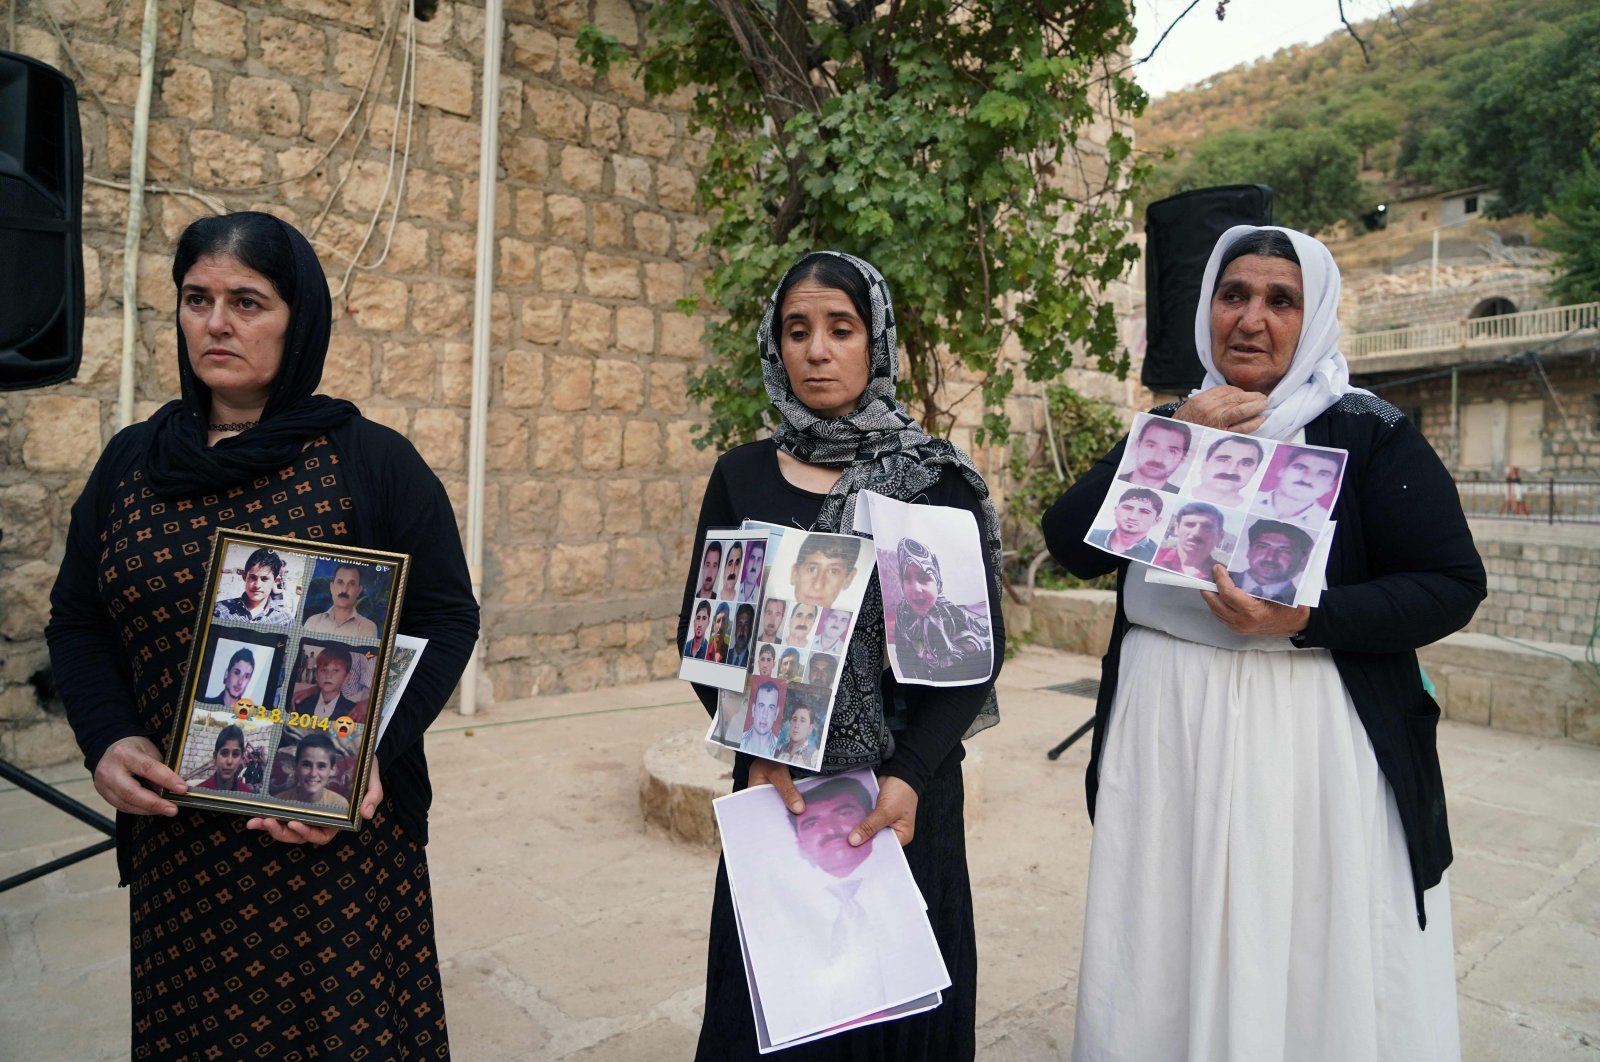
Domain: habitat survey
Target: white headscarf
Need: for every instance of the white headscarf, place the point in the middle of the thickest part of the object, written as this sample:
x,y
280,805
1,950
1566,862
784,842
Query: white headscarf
x,y
1318,376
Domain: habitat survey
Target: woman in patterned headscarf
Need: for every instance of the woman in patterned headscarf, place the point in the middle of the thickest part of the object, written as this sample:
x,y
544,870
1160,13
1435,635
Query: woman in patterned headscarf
x,y
829,359
1268,871
250,445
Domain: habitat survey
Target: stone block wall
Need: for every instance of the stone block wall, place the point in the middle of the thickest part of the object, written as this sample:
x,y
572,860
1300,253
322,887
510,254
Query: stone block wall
x,y
1544,581
592,480
1568,386
294,107
1377,302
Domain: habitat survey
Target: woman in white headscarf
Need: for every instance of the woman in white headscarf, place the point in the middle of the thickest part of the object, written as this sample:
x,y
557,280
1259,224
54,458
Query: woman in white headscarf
x,y
1268,872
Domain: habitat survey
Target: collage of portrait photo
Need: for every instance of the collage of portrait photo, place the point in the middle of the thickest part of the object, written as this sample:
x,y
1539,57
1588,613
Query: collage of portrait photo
x,y
720,647
1187,498
287,667
814,588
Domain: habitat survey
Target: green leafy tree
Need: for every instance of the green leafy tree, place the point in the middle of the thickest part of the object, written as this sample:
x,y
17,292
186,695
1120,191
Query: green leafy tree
x,y
1078,431
939,139
1528,122
1366,127
1312,173
1573,232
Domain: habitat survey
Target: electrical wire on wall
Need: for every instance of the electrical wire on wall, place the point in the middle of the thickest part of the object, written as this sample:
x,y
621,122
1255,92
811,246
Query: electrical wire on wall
x,y
398,164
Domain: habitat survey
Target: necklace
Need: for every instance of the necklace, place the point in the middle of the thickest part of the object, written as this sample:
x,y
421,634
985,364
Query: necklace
x,y
238,425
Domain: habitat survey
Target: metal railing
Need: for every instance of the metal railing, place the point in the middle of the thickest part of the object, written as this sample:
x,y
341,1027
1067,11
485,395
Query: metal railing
x,y
1547,323
1549,501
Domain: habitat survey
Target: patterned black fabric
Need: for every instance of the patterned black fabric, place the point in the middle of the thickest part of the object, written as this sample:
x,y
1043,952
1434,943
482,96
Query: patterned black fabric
x,y
883,449
241,947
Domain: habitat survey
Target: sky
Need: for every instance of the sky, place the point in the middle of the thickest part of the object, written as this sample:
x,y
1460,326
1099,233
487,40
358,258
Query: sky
x,y
1201,46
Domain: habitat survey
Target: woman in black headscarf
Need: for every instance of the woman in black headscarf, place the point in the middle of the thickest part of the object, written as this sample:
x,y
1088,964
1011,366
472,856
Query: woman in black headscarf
x,y
236,943
829,358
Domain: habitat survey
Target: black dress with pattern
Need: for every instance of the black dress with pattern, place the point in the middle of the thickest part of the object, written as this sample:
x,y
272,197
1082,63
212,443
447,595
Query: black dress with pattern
x,y
243,947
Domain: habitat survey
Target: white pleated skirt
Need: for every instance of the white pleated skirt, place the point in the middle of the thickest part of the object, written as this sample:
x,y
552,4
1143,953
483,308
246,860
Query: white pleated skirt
x,y
1249,891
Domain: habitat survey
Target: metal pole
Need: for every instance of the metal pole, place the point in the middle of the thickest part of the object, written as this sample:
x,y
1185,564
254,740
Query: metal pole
x,y
1455,419
130,238
482,310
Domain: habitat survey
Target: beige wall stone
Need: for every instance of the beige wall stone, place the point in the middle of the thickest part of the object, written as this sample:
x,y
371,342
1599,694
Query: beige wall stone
x,y
186,92
62,433
440,436
25,588
443,82
263,104
293,47
217,29
556,114
582,169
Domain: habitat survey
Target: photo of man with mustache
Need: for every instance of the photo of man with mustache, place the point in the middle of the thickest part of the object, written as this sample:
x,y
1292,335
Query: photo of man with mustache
x,y
1229,465
344,587
1158,452
1307,476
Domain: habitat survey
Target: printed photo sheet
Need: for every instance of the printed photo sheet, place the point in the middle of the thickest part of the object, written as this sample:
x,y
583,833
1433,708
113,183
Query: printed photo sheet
x,y
1186,498
730,573
814,591
832,935
935,590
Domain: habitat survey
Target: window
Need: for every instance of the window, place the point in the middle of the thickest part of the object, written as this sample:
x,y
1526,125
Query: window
x,y
1471,205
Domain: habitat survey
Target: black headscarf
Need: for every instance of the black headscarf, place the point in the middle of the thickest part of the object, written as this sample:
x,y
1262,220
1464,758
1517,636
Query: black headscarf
x,y
178,461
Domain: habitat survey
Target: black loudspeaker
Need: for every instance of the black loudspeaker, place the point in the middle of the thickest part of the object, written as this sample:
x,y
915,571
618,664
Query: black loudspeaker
x,y
41,225
1180,232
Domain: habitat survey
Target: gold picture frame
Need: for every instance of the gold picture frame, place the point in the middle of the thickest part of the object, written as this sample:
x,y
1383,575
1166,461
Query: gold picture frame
x,y
281,705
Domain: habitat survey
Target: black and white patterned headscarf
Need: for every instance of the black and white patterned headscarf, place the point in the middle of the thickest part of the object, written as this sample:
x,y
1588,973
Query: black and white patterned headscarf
x,y
883,449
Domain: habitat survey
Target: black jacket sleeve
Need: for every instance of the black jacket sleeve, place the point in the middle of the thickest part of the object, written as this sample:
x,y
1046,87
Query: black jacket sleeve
x,y
86,654
1405,530
938,716
716,511
403,507
1069,519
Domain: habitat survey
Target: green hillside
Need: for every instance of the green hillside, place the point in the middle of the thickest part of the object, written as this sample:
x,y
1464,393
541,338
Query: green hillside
x,y
1457,92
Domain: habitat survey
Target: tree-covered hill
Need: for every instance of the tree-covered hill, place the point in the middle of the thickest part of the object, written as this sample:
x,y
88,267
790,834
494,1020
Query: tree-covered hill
x,y
1457,92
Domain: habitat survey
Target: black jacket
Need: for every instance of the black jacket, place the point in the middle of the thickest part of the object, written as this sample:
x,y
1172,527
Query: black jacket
x,y
1402,573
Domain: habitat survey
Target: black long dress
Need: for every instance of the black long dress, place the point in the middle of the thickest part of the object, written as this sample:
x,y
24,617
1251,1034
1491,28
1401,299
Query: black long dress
x,y
242,947
927,724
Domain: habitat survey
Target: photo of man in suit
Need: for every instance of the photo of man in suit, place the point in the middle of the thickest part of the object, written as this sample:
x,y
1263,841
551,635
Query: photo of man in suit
x,y
327,700
1274,559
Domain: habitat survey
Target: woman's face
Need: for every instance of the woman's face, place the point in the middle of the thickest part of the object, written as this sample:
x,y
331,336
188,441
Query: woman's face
x,y
1256,316
239,678
234,323
824,346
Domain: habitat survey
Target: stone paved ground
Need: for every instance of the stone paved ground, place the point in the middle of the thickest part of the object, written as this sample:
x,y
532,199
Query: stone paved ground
x,y
571,931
